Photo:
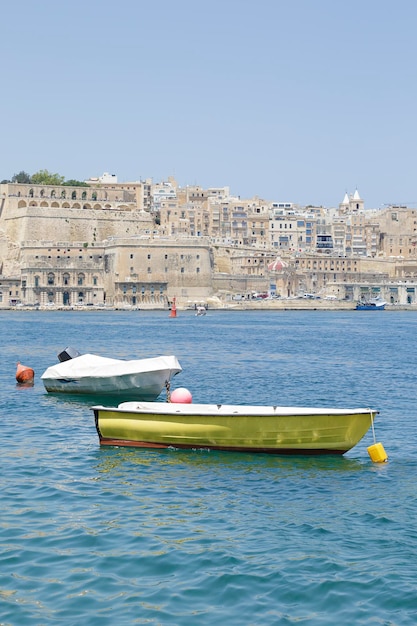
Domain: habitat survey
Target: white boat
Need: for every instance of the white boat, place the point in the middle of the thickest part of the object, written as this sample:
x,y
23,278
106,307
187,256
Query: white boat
x,y
200,310
139,379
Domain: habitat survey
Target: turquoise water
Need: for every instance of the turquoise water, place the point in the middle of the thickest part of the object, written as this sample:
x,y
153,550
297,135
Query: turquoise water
x,y
123,536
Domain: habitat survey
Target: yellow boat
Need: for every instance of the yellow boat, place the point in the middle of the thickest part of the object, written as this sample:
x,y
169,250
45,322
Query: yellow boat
x,y
268,429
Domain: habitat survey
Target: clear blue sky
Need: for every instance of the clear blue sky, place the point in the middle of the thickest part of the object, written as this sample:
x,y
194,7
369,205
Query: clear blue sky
x,y
290,100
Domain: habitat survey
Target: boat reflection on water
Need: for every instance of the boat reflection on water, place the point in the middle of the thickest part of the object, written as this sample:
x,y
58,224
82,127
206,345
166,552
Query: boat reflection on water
x,y
119,461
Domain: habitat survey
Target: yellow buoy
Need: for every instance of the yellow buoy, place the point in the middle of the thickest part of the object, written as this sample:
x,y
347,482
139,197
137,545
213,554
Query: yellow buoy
x,y
377,453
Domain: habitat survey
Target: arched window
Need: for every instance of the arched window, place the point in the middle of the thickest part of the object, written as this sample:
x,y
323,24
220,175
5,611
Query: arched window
x,y
94,195
42,193
51,278
74,195
36,281
30,193
81,279
66,279
84,195
53,194
63,194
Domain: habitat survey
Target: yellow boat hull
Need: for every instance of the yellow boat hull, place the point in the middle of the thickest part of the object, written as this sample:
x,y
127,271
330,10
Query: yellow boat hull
x,y
275,430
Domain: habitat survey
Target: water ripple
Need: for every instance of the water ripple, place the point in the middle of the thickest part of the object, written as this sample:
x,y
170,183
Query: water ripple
x,y
119,536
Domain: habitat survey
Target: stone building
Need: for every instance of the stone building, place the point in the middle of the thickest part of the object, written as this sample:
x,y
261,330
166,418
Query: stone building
x,y
92,246
150,271
397,232
103,244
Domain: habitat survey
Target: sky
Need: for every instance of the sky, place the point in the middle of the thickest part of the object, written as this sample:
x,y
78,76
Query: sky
x,y
288,100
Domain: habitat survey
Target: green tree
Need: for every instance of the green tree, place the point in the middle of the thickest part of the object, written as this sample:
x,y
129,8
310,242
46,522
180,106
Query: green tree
x,y
21,177
75,183
43,177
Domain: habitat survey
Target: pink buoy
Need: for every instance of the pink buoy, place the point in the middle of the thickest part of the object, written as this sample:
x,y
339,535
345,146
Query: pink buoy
x,y
181,396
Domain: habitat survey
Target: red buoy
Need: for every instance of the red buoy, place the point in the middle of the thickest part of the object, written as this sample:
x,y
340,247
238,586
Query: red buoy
x,y
173,309
24,374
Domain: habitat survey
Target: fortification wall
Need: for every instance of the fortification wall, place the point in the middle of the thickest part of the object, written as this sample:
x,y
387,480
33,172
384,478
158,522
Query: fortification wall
x,y
91,226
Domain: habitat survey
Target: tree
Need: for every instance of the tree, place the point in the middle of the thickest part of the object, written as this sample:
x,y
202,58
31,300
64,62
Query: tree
x,y
75,183
21,177
43,177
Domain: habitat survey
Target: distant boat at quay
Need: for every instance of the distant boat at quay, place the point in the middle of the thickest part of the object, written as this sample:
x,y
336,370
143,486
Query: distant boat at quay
x,y
373,304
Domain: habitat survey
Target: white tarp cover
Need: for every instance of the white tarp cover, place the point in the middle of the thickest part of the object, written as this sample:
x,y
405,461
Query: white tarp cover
x,y
92,366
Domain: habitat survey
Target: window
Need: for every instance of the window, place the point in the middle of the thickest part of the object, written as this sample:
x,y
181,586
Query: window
x,y
51,278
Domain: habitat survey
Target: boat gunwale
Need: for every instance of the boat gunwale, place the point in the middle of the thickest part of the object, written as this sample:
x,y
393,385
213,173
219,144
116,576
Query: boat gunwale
x,y
161,409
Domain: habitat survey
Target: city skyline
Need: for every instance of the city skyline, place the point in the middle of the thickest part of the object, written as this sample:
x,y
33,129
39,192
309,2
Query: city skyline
x,y
299,102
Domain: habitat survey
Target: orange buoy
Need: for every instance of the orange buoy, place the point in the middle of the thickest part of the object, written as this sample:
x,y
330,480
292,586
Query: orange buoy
x,y
173,309
24,374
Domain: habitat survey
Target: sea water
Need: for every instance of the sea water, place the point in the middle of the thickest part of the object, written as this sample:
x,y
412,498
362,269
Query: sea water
x,y
116,536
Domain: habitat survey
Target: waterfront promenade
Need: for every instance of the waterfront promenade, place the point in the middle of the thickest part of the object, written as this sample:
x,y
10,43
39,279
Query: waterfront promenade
x,y
215,304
